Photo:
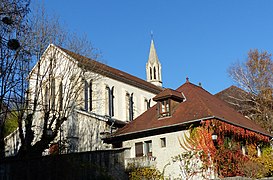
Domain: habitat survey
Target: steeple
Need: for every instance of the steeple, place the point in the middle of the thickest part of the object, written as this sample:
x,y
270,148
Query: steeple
x,y
153,67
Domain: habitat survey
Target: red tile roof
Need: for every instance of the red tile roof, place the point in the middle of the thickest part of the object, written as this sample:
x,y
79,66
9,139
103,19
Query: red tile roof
x,y
113,73
169,93
199,105
236,98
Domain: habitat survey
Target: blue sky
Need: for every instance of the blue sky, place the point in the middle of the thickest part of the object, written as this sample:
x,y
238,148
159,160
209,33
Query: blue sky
x,y
195,38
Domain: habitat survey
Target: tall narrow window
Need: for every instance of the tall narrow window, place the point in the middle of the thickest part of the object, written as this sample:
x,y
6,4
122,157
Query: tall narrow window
x,y
46,98
85,95
131,108
53,96
112,101
127,101
158,74
61,96
147,103
139,149
110,93
151,74
148,148
90,95
154,73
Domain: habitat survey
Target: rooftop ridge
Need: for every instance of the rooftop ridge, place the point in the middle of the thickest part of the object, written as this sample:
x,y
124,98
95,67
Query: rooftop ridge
x,y
113,72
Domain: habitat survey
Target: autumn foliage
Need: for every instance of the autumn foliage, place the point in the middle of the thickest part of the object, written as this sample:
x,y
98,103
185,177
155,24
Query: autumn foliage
x,y
225,156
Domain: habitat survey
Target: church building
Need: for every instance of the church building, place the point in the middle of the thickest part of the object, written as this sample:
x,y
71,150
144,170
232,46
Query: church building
x,y
96,98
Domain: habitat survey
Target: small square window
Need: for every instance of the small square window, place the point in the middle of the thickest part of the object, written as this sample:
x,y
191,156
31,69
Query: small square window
x,y
163,142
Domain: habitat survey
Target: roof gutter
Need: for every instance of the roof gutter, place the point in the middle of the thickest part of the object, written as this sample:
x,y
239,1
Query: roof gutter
x,y
189,122
162,127
266,134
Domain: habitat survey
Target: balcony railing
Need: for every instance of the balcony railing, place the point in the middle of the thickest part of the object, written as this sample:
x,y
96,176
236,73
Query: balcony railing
x,y
144,161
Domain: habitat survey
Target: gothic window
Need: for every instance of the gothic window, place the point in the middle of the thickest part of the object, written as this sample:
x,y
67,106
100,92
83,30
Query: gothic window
x,y
154,73
46,98
129,107
147,103
90,95
61,96
112,101
85,95
110,93
151,74
127,101
158,74
139,149
52,91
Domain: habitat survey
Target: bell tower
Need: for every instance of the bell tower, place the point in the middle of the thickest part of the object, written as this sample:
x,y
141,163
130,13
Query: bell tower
x,y
153,67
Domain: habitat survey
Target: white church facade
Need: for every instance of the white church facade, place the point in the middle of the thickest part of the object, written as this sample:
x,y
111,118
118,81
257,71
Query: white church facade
x,y
96,98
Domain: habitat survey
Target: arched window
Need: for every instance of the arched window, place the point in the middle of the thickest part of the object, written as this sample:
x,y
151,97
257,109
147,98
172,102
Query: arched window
x,y
52,92
110,93
147,103
46,99
127,101
90,95
61,96
158,74
151,74
85,95
129,107
154,73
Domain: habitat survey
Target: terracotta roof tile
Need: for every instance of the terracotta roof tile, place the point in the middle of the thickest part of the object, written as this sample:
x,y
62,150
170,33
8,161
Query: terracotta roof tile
x,y
169,93
199,104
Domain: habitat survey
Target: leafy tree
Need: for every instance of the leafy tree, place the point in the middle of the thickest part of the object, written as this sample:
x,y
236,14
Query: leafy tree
x,y
255,76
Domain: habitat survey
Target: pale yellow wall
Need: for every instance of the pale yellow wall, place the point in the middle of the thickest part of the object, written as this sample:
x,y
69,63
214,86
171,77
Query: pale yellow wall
x,y
163,156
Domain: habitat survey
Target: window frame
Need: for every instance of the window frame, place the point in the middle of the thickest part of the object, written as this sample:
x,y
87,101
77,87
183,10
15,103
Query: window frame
x,y
164,108
148,148
139,149
163,142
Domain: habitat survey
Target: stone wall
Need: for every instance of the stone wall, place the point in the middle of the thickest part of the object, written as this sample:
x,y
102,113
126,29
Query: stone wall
x,y
105,164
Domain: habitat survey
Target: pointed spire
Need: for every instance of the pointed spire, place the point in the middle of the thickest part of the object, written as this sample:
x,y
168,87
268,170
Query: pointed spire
x,y
153,66
152,55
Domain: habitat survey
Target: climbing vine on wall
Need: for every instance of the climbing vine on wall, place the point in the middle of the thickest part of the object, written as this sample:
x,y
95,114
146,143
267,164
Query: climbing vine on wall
x,y
225,156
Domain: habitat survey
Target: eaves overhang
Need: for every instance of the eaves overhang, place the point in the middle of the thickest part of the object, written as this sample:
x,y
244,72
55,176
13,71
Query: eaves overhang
x,y
172,128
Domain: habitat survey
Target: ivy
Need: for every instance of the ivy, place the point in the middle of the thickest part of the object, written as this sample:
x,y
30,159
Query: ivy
x,y
225,157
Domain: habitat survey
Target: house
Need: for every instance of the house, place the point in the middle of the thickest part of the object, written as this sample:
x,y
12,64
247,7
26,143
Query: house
x,y
159,135
94,98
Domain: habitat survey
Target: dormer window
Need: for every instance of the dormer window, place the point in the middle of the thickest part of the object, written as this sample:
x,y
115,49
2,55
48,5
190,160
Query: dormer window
x,y
164,108
167,102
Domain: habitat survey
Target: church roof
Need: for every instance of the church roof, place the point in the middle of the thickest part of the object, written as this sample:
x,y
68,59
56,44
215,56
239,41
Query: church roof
x,y
198,105
111,72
